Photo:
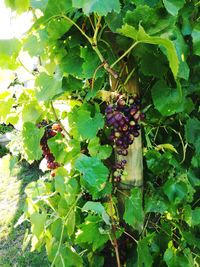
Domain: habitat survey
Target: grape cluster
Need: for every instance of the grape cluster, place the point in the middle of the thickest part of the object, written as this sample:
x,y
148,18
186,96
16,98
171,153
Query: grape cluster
x,y
123,118
50,131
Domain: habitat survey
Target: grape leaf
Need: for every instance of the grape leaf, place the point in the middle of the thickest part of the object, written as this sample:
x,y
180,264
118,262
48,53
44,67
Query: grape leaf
x,y
94,173
144,256
196,39
83,124
142,37
57,7
176,191
72,63
38,221
93,68
47,87
31,112
98,208
87,126
166,100
175,259
19,6
89,233
6,103
9,50
58,148
157,69
36,44
31,140
99,151
65,255
182,52
56,28
173,6
155,203
192,216
192,129
70,222
101,7
134,214
38,4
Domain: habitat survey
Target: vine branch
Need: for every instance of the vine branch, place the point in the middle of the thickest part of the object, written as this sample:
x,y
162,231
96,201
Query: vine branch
x,y
115,243
125,53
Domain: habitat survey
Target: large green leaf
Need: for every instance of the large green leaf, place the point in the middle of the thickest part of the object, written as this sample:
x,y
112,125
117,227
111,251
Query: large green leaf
x,y
134,214
83,124
192,216
173,6
182,52
58,148
98,208
93,67
196,40
176,191
47,87
31,141
89,232
64,254
6,103
192,129
155,203
19,5
145,258
94,173
31,112
38,221
57,27
166,100
173,258
99,151
9,50
142,37
57,7
72,63
36,43
101,7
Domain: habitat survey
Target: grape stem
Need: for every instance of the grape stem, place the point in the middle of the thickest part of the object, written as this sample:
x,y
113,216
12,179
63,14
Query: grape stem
x,y
93,42
63,228
125,53
114,241
59,121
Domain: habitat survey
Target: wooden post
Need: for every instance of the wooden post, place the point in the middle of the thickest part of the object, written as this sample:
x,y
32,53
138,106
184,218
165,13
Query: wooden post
x,y
134,166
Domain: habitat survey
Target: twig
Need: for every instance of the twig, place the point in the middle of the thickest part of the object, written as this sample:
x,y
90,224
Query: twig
x,y
62,230
96,31
114,243
93,43
91,24
125,53
126,233
95,72
59,121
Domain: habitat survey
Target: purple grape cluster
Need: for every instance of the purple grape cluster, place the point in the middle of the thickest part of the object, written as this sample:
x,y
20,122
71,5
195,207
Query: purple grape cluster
x,y
123,118
50,131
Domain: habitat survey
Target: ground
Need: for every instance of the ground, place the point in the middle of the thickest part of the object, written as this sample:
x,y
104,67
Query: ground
x,y
13,179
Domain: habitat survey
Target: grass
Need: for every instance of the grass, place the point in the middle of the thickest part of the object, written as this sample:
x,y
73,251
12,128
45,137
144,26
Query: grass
x,y
13,180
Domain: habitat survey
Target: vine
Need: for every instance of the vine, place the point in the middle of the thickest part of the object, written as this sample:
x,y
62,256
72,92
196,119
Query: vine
x,y
111,114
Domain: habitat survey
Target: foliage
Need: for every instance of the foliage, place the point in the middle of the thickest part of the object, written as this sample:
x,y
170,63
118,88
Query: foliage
x,y
75,212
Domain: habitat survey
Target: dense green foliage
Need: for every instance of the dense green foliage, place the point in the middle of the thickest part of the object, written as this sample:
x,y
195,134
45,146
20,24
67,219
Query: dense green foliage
x,y
76,211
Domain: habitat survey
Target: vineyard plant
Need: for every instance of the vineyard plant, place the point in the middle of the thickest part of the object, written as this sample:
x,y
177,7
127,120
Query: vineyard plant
x,y
110,113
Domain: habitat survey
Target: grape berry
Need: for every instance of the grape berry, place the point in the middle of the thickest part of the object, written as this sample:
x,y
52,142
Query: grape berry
x,y
122,117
